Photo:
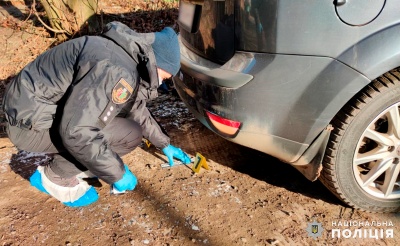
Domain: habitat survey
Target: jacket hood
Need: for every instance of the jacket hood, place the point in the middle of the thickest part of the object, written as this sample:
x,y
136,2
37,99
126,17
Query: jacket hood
x,y
137,45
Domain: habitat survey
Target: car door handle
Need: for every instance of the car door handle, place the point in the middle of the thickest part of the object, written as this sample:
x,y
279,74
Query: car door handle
x,y
340,2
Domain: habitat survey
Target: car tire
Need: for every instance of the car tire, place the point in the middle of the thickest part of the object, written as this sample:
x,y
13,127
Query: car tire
x,y
362,161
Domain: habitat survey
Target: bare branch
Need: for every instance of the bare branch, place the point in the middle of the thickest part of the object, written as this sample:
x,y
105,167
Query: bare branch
x,y
44,24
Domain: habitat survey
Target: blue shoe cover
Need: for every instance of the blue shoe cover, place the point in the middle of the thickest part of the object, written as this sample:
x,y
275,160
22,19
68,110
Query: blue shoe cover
x,y
36,181
88,198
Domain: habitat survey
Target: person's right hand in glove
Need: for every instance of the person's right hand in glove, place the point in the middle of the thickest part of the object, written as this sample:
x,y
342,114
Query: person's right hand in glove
x,y
127,182
171,151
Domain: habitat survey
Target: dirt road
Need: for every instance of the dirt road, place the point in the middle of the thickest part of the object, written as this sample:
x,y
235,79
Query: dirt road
x,y
246,198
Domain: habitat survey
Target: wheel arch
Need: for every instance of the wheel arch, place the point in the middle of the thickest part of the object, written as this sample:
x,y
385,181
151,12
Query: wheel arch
x,y
376,54
372,57
310,162
341,124
348,74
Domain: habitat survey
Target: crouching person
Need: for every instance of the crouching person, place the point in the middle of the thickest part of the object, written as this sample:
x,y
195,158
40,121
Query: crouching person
x,y
85,102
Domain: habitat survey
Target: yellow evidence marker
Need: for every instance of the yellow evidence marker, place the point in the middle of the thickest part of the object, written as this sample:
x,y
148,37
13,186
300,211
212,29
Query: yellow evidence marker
x,y
200,161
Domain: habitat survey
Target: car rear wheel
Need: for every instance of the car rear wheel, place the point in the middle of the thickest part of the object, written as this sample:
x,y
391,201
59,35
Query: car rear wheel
x,y
362,162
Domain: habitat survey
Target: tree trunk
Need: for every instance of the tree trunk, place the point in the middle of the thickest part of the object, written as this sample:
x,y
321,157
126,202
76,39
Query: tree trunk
x,y
69,17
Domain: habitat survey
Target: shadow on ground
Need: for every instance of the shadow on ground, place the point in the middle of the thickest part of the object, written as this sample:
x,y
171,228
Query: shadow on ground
x,y
251,162
191,136
25,163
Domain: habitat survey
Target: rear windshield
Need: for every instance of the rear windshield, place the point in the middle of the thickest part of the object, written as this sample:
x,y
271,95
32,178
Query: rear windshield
x,y
215,38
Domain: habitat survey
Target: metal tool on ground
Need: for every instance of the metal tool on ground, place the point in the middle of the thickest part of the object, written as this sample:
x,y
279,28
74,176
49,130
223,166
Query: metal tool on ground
x,y
177,163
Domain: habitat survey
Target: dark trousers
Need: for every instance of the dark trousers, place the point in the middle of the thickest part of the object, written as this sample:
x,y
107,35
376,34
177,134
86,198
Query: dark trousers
x,y
123,135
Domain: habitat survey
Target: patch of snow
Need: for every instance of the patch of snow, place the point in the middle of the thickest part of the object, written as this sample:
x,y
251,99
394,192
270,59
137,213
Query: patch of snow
x,y
222,188
24,157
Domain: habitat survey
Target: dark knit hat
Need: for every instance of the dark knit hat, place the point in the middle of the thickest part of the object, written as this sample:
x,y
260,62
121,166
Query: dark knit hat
x,y
166,50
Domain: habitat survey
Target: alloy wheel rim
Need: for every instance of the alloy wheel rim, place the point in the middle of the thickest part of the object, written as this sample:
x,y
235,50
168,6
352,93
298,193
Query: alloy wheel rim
x,y
376,163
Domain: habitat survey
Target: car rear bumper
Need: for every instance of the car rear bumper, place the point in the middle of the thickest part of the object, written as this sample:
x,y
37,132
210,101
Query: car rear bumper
x,y
248,135
284,102
205,86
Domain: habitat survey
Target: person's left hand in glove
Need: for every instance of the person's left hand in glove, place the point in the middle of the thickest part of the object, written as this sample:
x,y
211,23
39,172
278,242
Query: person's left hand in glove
x,y
171,151
127,182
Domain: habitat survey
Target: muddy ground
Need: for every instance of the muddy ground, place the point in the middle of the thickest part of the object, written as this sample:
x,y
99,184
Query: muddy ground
x,y
246,198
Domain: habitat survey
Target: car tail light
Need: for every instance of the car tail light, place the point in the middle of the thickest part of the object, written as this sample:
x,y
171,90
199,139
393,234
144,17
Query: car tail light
x,y
223,125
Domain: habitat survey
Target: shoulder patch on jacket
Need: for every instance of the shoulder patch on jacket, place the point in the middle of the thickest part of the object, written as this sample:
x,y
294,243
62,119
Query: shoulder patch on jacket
x,y
121,92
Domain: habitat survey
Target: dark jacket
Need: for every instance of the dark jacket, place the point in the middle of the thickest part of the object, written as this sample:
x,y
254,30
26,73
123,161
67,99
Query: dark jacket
x,y
97,78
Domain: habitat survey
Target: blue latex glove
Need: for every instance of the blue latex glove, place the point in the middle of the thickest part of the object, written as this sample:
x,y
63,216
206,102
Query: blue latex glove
x,y
171,151
128,181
